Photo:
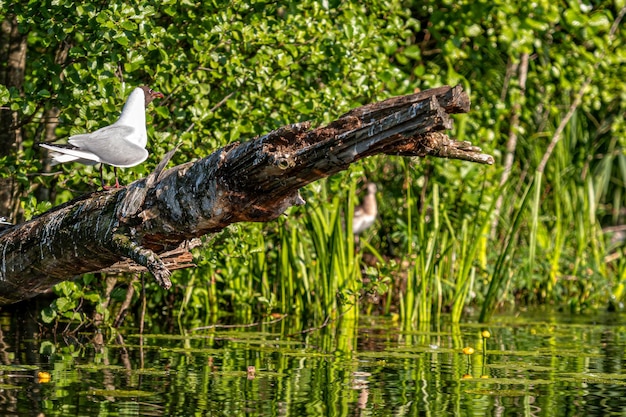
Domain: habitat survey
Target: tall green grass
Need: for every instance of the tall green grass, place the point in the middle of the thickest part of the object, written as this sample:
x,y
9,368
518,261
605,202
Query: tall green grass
x,y
443,249
553,250
335,263
502,270
472,240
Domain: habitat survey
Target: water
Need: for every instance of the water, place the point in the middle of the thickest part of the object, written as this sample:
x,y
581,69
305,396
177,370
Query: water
x,y
533,365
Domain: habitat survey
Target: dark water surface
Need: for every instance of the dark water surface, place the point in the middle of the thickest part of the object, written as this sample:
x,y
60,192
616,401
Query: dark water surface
x,y
531,365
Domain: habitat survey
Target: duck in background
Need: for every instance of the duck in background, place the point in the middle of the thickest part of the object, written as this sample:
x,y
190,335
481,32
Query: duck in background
x,y
365,213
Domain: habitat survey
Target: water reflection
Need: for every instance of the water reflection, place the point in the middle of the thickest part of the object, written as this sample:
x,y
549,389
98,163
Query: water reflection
x,y
530,366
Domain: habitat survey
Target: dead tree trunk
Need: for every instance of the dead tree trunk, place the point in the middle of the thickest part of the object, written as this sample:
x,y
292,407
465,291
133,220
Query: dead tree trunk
x,y
148,224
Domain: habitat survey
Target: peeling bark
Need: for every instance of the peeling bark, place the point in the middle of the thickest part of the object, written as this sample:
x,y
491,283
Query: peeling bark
x,y
150,223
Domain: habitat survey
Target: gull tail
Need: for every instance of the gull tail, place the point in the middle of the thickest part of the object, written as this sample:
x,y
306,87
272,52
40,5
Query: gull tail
x,y
61,154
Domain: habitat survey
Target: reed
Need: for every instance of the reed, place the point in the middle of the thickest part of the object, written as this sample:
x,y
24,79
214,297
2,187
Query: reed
x,y
407,300
332,264
501,272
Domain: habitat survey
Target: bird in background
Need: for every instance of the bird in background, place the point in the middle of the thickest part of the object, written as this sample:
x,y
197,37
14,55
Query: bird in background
x,y
121,145
365,213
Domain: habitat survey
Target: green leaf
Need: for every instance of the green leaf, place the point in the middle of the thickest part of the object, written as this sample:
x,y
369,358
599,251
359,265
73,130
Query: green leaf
x,y
48,315
64,304
600,21
47,347
574,18
4,95
473,30
413,52
121,39
128,25
163,112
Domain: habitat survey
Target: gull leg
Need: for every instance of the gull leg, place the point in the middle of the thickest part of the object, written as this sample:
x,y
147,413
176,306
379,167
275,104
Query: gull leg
x,y
108,187
102,176
117,183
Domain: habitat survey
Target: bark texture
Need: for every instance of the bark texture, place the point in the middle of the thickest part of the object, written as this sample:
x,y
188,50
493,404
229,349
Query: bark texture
x,y
151,223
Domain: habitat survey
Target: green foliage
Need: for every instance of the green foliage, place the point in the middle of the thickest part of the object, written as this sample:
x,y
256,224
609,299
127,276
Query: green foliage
x,y
69,303
32,207
234,70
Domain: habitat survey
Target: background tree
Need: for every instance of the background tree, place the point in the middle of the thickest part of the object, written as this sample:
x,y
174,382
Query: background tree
x,y
12,67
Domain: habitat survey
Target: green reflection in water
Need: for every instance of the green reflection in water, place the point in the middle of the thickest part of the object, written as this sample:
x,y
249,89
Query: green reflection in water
x,y
551,366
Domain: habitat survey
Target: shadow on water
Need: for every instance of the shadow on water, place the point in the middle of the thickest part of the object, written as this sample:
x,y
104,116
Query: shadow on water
x,y
532,365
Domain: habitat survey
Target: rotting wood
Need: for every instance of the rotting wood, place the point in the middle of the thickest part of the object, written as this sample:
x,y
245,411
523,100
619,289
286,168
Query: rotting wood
x,y
150,223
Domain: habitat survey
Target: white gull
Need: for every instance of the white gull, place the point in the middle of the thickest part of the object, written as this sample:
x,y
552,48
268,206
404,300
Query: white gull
x,y
122,144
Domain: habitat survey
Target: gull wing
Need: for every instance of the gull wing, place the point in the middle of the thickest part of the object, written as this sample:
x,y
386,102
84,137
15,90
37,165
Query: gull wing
x,y
111,146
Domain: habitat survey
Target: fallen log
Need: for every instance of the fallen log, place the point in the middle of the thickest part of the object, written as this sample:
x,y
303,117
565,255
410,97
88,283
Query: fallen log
x,y
149,224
